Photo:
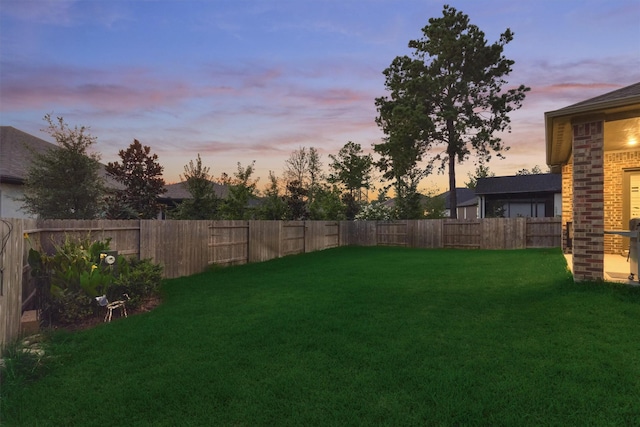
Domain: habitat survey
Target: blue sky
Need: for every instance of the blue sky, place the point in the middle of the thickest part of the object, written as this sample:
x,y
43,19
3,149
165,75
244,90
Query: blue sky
x,y
244,80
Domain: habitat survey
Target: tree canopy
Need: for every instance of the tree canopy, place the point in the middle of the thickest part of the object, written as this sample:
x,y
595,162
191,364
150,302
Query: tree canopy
x,y
352,169
273,206
482,171
536,170
447,101
242,192
141,175
204,203
64,182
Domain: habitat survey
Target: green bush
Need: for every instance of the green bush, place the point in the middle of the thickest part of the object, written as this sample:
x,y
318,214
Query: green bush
x,y
141,281
68,307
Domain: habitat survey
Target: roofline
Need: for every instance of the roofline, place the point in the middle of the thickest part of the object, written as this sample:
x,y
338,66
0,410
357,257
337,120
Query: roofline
x,y
547,191
581,110
7,179
593,107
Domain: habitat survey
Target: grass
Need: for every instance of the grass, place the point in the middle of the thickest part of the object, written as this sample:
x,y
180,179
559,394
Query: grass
x,y
355,336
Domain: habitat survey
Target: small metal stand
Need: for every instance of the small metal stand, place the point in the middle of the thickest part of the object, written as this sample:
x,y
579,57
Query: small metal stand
x,y
120,304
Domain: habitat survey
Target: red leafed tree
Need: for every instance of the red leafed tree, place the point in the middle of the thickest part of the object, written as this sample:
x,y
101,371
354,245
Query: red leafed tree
x,y
141,176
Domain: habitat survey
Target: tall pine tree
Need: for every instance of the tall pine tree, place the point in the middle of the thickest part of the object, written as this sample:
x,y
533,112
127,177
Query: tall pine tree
x,y
448,100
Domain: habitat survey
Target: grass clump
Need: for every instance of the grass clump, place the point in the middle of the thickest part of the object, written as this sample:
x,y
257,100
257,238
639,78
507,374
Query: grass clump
x,y
356,336
23,362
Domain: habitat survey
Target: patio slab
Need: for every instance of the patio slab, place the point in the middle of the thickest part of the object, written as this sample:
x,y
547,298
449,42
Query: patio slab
x,y
616,268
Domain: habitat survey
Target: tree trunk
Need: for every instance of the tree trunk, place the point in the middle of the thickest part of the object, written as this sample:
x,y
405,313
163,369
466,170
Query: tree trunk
x,y
453,195
451,152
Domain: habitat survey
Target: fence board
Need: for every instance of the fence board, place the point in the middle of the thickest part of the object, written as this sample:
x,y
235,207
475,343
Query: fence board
x,y
425,233
502,233
292,237
11,278
543,232
264,240
229,242
358,233
124,235
321,235
180,247
392,233
461,233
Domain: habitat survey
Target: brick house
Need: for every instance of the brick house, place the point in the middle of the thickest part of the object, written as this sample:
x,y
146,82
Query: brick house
x,y
595,145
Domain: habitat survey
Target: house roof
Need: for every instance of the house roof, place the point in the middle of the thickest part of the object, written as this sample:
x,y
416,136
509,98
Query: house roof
x,y
539,183
616,97
615,108
464,197
179,191
470,202
16,149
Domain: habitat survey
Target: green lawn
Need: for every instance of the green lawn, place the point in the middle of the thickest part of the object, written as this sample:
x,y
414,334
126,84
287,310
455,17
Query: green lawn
x,y
355,336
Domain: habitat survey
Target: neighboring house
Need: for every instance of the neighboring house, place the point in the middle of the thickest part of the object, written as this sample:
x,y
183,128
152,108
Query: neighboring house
x,y
16,152
534,196
468,209
178,192
467,203
595,146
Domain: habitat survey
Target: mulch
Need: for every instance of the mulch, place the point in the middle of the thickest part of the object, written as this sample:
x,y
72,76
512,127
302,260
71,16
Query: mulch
x,y
90,322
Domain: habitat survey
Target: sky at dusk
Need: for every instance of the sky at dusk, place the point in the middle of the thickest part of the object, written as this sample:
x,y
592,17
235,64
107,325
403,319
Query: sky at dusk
x,y
244,80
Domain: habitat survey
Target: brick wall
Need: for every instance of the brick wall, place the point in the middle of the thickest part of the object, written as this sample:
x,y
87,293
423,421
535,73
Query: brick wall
x,y
614,164
567,202
588,200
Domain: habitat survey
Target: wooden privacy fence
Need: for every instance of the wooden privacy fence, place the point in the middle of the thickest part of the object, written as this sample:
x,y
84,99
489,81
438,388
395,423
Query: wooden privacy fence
x,y
188,247
239,242
485,233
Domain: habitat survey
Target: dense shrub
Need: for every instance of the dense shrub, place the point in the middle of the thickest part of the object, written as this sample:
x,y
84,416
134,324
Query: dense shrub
x,y
375,211
141,281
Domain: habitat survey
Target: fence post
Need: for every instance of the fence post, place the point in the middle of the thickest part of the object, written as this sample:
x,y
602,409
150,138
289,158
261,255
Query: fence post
x,y
280,237
11,262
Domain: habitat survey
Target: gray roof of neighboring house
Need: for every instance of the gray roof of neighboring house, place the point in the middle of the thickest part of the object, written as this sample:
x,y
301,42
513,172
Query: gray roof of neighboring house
x,y
16,152
471,202
464,197
179,191
539,183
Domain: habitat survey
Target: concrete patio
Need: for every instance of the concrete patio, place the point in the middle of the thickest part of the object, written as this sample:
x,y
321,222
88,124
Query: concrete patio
x,y
616,268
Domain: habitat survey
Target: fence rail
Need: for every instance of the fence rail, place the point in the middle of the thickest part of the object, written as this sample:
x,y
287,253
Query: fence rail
x,y
188,247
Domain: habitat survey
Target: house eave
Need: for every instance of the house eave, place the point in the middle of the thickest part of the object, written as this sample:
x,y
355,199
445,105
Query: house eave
x,y
558,125
8,179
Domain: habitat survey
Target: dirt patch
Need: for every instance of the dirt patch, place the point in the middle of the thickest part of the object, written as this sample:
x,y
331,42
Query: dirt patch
x,y
90,322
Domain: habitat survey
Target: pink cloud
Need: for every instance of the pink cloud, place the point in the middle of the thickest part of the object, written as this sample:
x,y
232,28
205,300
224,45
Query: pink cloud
x,y
554,89
65,87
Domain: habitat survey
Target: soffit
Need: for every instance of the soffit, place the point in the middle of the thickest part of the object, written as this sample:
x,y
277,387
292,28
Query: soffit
x,y
622,125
